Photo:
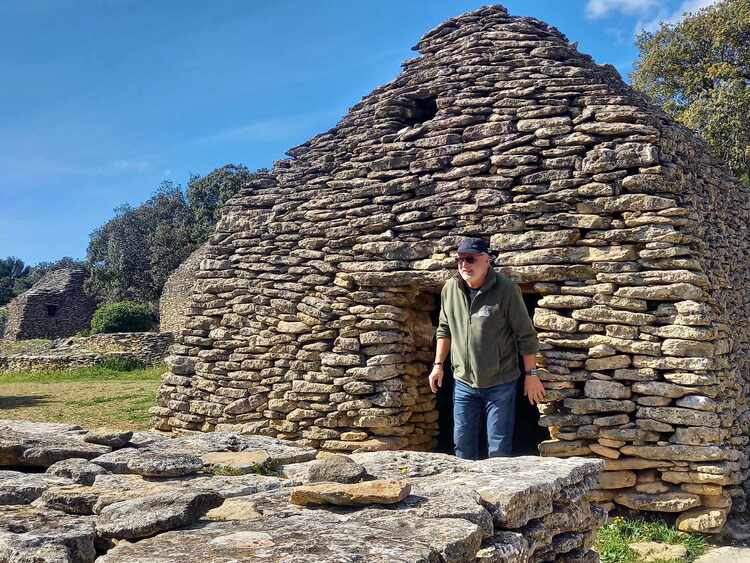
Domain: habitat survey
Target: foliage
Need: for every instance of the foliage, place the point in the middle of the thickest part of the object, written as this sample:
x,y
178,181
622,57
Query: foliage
x,y
12,273
122,363
208,194
614,539
226,470
123,316
698,70
133,254
3,320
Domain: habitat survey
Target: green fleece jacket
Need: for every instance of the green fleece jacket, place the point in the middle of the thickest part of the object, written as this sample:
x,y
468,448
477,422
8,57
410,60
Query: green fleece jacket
x,y
487,334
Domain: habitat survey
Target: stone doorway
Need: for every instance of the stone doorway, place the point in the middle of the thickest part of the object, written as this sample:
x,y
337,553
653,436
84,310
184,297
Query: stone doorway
x,y
528,433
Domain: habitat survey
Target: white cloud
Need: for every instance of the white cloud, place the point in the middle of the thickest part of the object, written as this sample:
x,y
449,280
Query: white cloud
x,y
650,13
687,6
272,129
597,9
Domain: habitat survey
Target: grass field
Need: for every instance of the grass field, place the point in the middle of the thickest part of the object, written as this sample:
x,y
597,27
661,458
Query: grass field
x,y
97,396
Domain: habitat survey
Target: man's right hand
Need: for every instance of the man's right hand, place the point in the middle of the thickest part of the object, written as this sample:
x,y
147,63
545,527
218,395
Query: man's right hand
x,y
436,378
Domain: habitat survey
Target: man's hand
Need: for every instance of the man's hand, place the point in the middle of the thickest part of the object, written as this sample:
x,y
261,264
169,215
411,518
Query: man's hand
x,y
436,378
533,389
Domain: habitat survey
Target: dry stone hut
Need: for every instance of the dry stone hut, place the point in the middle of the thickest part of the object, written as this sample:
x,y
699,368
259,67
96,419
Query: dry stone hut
x,y
175,297
312,317
55,307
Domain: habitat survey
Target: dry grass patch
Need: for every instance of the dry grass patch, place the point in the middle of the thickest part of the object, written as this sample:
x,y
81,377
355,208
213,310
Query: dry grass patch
x,y
98,396
37,346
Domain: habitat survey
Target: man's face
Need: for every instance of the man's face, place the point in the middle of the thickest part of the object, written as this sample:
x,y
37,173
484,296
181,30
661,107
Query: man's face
x,y
473,267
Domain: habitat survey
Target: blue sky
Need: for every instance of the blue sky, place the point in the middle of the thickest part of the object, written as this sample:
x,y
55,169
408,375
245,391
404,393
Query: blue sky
x,y
101,100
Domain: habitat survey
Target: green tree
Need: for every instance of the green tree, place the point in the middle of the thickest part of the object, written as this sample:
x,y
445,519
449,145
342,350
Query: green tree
x,y
132,254
3,320
698,70
12,274
208,194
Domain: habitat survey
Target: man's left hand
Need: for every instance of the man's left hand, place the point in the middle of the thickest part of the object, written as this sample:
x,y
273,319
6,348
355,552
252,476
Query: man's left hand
x,y
533,389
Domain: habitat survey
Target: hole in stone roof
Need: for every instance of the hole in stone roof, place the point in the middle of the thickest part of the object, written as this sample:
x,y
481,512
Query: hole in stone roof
x,y
423,109
51,310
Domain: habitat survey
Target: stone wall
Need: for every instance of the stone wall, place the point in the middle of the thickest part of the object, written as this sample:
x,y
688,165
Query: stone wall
x,y
148,348
310,318
119,497
57,306
175,297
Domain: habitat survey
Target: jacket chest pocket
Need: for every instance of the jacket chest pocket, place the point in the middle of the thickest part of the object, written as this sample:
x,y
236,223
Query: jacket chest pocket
x,y
486,321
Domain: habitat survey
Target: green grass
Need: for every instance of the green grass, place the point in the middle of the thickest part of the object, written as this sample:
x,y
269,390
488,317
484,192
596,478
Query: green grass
x,y
92,396
96,373
614,539
268,468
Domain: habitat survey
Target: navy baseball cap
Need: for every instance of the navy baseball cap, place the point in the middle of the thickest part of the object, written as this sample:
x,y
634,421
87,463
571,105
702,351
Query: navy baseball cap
x,y
474,245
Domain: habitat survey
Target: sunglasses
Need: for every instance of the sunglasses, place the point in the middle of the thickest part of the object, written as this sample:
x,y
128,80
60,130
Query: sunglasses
x,y
467,259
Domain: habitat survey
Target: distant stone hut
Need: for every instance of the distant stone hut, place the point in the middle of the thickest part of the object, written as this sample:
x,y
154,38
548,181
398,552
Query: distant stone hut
x,y
175,297
313,314
55,307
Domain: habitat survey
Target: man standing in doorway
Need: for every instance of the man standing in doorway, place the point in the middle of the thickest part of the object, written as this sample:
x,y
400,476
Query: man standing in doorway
x,y
484,325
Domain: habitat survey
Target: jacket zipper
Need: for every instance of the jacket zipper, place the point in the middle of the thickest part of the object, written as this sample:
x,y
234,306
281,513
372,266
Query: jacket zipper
x,y
470,304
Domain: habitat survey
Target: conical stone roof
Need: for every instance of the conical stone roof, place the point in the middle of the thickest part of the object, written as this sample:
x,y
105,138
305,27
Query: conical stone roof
x,y
311,316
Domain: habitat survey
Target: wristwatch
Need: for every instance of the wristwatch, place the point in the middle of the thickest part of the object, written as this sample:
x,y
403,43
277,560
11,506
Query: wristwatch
x,y
533,372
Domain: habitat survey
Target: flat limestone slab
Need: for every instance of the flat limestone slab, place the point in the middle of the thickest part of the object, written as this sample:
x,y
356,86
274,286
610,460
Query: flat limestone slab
x,y
725,555
381,491
241,462
31,534
324,538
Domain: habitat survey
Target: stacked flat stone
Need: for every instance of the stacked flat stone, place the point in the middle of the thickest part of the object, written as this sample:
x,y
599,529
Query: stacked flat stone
x,y
122,497
55,307
175,296
148,348
311,320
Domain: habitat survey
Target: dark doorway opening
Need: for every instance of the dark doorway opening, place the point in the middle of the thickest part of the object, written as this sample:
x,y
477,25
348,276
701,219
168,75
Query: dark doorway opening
x,y
51,310
527,434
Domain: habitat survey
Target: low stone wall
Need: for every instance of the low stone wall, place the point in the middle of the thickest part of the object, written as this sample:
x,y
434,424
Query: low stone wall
x,y
146,347
201,497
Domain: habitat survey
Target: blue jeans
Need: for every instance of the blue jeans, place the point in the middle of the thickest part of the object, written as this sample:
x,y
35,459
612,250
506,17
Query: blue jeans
x,y
499,405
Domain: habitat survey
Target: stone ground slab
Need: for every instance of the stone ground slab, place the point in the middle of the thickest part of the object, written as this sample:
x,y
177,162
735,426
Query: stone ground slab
x,y
656,551
512,510
29,534
279,451
326,538
24,488
725,555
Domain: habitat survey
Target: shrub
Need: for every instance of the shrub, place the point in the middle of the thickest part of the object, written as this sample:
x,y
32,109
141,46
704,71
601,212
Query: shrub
x,y
121,363
124,316
3,320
